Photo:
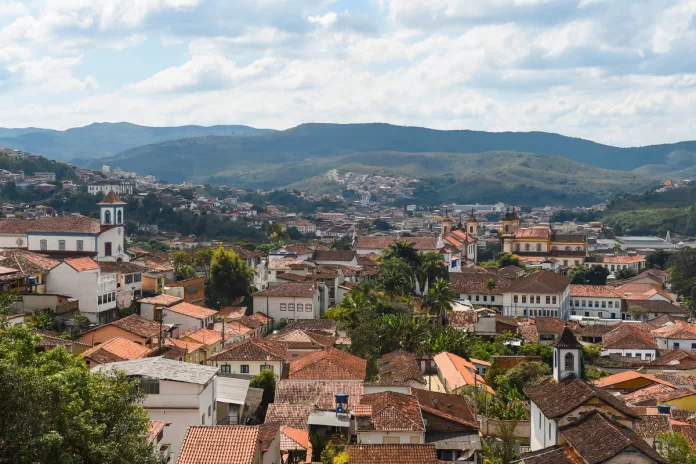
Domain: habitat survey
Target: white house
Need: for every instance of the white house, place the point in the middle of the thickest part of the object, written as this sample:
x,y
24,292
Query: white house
x,y
250,356
71,236
542,293
614,264
81,278
473,285
120,187
599,301
182,393
630,340
680,335
342,257
173,311
290,301
129,277
563,399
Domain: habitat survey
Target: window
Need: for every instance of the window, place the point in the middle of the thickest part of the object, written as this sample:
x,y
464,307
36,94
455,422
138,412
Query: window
x,y
565,262
676,344
549,429
611,304
477,297
539,419
613,268
203,419
210,410
300,307
485,298
524,298
308,307
587,314
226,369
596,304
80,245
599,315
150,386
244,368
415,439
129,278
569,362
44,244
119,217
538,247
107,217
492,298
391,440
266,367
107,249
192,290
99,299
137,277
555,359
283,307
553,300
604,304
526,247
548,299
515,299
113,296
584,303
538,300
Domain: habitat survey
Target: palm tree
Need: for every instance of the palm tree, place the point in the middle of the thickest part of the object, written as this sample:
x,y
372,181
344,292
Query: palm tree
x,y
439,298
491,285
394,281
404,250
431,268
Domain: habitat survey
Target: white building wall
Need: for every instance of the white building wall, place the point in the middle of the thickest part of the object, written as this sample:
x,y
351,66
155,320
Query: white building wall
x,y
184,321
634,353
580,305
89,242
526,308
254,366
115,237
271,306
671,344
544,431
86,286
11,240
377,438
483,300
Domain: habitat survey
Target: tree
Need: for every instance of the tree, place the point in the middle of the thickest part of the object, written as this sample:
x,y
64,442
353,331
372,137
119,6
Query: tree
x,y
266,380
617,248
7,301
275,233
395,277
439,299
491,285
537,349
596,275
182,262
403,250
505,259
294,233
626,273
503,449
577,276
431,268
657,259
55,410
345,243
682,274
523,375
230,278
675,448
202,257
381,224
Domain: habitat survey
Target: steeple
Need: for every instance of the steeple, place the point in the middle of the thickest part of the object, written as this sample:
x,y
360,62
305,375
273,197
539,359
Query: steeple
x,y
567,356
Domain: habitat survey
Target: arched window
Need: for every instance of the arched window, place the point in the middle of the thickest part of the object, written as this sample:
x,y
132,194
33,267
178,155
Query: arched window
x,y
471,229
507,228
44,244
569,362
578,248
526,247
538,246
107,217
517,247
119,217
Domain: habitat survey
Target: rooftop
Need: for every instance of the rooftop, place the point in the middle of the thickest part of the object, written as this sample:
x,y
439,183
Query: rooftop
x,y
116,349
220,444
328,364
163,369
380,454
191,310
290,289
393,412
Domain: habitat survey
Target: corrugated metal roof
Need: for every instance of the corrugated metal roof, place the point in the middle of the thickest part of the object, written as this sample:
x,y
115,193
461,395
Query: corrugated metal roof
x,y
231,390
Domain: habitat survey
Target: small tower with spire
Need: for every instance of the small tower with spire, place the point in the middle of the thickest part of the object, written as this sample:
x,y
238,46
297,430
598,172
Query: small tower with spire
x,y
567,356
446,224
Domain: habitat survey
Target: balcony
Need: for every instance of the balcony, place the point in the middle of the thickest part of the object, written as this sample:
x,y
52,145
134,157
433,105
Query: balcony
x,y
107,284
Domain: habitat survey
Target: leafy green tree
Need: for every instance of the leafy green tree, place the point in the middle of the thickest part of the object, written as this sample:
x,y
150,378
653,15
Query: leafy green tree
x,y
504,259
345,243
275,233
523,375
266,380
596,275
56,411
675,448
202,258
381,224
230,278
657,259
405,250
439,299
577,276
627,273
502,449
294,233
682,273
7,302
395,277
537,349
431,268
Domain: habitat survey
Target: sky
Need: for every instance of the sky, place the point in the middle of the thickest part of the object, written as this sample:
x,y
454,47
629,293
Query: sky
x,y
621,72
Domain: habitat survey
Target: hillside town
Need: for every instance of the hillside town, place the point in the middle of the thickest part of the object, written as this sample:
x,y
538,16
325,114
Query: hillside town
x,y
365,333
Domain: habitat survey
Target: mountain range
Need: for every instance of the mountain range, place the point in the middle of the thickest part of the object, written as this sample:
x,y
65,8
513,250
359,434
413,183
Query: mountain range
x,y
458,165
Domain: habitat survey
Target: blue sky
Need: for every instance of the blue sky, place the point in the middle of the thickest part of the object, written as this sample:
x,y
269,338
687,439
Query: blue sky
x,y
616,71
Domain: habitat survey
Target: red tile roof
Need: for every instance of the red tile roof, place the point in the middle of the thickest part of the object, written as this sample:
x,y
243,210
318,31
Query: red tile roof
x,y
220,444
290,289
61,224
420,243
381,454
475,283
540,282
82,264
458,372
111,199
292,415
399,367
603,291
628,336
626,376
188,309
328,364
138,325
452,407
116,349
156,426
251,349
162,299
319,394
204,336
679,331
392,411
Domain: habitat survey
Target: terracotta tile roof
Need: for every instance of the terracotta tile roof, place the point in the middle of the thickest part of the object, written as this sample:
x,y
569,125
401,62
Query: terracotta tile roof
x,y
232,312
290,289
292,415
262,317
674,358
650,396
549,325
475,283
111,199
327,364
651,425
399,367
676,379
123,268
189,346
659,306
380,454
622,259
204,336
598,439
247,254
153,265
188,309
535,232
642,292
553,455
251,349
419,243
529,332
679,331
116,349
663,320
27,261
334,255
393,412
82,264
463,319
302,339
629,336
220,444
61,224
540,282
319,394
688,430
138,325
293,439
156,426
458,372
555,399
592,330
267,433
315,325
452,407
626,376
603,291
162,299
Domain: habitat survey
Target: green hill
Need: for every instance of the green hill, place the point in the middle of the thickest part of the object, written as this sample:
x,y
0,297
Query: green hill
x,y
101,140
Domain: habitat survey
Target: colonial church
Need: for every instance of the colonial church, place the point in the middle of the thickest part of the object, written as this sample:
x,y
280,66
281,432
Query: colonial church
x,y
542,242
72,236
461,239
